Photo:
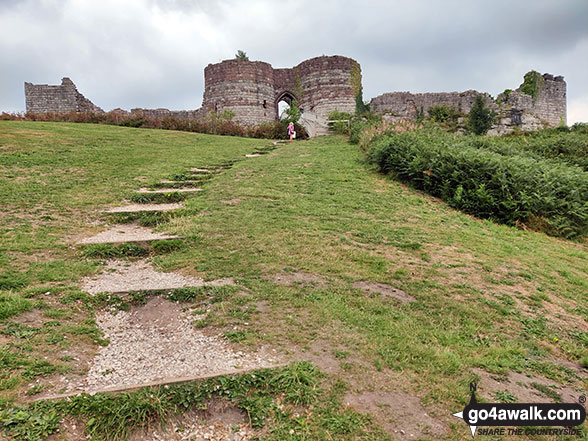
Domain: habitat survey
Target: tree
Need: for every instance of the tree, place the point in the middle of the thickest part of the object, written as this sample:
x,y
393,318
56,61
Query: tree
x,y
480,118
293,112
240,55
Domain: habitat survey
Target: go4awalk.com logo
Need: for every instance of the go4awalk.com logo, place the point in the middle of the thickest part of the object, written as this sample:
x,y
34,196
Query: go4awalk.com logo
x,y
565,416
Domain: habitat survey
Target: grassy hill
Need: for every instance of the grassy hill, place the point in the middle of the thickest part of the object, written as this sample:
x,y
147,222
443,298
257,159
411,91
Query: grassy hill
x,y
298,229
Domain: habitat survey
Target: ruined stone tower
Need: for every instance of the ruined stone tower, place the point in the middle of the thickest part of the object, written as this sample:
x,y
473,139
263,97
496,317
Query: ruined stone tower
x,y
42,98
253,89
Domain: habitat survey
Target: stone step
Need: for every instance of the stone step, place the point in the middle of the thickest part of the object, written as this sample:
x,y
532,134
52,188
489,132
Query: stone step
x,y
187,181
169,190
203,170
163,382
120,277
137,208
126,233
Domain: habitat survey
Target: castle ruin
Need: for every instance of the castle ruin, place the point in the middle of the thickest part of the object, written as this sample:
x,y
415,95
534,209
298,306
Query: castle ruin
x,y
42,98
252,90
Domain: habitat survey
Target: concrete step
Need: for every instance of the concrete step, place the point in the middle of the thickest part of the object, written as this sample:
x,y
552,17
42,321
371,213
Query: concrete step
x,y
162,382
137,208
187,181
126,233
203,170
169,190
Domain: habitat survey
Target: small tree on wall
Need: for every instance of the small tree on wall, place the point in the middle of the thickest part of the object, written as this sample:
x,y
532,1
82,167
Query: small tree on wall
x,y
240,55
480,118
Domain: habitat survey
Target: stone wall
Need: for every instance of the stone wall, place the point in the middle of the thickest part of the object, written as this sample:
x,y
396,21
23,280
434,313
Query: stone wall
x,y
165,113
43,98
252,89
243,87
406,104
514,109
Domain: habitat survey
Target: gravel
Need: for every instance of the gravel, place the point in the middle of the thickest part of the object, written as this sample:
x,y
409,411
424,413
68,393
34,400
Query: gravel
x,y
126,233
120,276
158,342
209,432
134,208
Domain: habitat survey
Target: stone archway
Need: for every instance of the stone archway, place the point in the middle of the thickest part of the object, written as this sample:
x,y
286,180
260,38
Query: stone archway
x,y
285,96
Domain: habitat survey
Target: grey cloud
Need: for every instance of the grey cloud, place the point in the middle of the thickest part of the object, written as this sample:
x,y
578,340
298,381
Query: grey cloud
x,y
152,53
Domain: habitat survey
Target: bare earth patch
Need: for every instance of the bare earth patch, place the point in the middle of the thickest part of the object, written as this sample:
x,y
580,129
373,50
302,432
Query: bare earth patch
x,y
135,208
126,233
524,388
384,290
123,276
233,201
299,278
220,421
157,342
400,414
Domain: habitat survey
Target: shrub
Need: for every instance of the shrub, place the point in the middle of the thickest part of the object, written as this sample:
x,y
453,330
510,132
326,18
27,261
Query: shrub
x,y
342,126
216,124
441,113
480,118
515,189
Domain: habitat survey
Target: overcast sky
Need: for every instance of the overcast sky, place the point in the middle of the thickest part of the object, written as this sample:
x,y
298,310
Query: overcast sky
x,y
152,53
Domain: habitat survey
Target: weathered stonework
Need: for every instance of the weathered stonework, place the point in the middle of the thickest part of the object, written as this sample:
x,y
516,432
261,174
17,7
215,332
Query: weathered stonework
x,y
515,109
42,98
253,89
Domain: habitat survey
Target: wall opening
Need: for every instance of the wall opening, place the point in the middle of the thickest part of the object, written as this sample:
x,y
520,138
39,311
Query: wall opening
x,y
283,103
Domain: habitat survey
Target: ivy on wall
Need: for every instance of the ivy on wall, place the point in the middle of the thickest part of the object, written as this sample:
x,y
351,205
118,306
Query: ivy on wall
x,y
355,80
532,82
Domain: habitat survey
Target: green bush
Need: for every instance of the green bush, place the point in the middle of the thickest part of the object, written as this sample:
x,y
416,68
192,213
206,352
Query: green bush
x,y
543,194
342,127
570,147
441,113
359,124
480,118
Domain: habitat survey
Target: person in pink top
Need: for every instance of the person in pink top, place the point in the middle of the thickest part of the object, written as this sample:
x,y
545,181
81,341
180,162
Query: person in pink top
x,y
291,131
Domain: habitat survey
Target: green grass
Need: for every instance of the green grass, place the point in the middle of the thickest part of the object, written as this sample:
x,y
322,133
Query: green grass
x,y
113,416
489,296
